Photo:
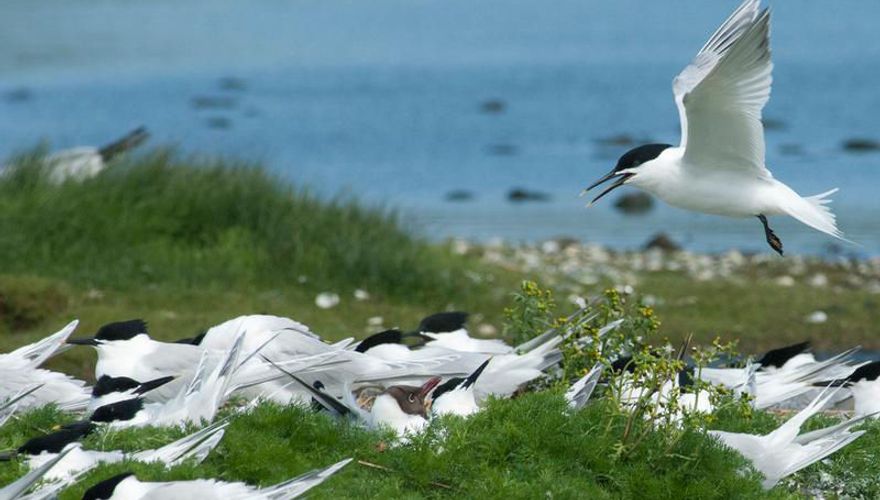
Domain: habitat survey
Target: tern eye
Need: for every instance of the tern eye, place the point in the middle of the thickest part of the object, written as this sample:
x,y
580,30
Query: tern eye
x,y
412,398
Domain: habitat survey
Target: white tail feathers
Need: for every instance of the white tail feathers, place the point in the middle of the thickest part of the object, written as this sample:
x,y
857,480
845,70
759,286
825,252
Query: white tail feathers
x,y
814,212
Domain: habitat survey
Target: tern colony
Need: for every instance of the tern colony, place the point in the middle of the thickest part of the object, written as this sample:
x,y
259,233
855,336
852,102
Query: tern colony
x,y
391,380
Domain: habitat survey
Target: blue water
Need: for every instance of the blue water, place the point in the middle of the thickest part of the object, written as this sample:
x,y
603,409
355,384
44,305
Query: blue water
x,y
382,99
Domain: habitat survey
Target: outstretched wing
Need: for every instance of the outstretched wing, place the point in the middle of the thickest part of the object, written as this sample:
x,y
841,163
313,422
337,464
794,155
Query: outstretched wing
x,y
720,95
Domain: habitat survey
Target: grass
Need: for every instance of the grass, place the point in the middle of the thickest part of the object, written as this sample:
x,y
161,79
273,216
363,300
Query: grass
x,y
530,447
187,243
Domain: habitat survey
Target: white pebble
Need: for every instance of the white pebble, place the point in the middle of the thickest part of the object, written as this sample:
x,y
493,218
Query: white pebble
x,y
785,281
487,330
817,317
361,294
326,300
375,321
819,280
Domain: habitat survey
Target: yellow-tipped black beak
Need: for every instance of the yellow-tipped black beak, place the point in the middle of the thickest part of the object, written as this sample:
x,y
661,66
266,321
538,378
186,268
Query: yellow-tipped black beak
x,y
621,179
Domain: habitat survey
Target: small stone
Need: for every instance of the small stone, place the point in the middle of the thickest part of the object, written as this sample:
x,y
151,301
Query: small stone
x,y
459,195
817,317
501,149
521,194
634,203
218,122
213,102
487,330
231,83
861,145
493,106
550,246
375,321
663,242
326,300
819,280
785,281
94,294
302,278
361,294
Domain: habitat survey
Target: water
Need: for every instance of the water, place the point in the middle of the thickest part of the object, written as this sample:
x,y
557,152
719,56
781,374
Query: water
x,y
382,99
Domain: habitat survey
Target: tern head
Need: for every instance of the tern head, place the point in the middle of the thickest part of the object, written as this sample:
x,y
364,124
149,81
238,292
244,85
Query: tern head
x,y
629,166
120,410
105,489
113,332
411,399
443,322
868,372
55,441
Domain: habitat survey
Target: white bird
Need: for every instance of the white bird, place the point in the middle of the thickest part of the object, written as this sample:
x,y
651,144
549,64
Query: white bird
x,y
193,403
85,162
401,408
456,395
864,385
126,486
718,168
78,461
448,330
579,393
125,349
783,451
109,390
19,371
16,489
781,374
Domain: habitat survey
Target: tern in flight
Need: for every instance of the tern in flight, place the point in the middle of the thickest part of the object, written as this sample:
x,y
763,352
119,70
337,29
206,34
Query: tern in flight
x,y
719,166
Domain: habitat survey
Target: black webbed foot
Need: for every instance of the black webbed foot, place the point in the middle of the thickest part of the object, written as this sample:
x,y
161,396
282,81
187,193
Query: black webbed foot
x,y
773,240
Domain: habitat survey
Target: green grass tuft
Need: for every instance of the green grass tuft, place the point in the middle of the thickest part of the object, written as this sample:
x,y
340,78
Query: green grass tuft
x,y
164,219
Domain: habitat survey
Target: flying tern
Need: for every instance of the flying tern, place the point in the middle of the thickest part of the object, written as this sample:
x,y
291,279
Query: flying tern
x,y
718,167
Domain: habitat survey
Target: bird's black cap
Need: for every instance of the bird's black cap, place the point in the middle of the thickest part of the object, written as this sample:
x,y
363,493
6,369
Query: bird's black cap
x,y
444,322
120,410
778,357
54,442
392,336
869,372
106,385
642,154
120,330
104,490
631,159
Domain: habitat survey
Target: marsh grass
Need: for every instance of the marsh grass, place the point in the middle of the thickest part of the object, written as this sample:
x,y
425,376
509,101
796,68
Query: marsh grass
x,y
167,219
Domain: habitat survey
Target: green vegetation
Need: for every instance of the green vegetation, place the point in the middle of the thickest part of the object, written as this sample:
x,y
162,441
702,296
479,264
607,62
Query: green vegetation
x,y
532,446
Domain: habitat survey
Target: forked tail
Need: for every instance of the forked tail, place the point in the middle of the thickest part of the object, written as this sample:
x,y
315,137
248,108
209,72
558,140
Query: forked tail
x,y
814,212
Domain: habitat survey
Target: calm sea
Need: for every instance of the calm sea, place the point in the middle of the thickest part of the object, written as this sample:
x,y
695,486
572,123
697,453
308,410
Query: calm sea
x,y
387,100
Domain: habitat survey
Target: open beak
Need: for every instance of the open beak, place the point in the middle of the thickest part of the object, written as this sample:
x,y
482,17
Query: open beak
x,y
429,386
621,179
86,341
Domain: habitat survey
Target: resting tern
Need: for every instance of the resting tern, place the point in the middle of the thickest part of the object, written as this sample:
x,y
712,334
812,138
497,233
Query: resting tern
x,y
20,372
126,486
864,385
125,349
85,162
718,168
456,395
43,449
784,451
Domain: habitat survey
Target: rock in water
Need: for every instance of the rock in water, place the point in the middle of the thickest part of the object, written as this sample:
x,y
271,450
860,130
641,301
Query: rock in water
x,y
861,145
634,203
520,194
663,242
